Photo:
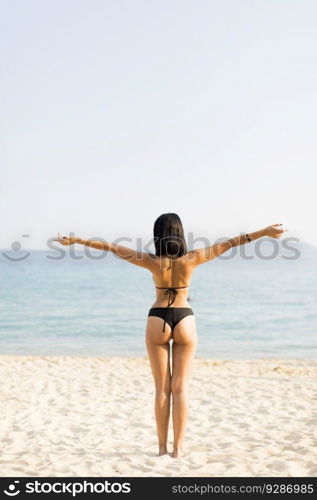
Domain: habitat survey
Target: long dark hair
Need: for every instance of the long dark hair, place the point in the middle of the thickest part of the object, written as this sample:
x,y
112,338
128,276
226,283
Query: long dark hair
x,y
169,236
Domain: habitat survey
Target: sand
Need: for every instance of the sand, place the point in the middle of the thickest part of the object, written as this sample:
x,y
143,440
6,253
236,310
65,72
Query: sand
x,y
81,416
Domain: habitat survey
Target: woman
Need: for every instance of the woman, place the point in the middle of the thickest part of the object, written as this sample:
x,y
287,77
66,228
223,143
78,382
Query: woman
x,y
171,316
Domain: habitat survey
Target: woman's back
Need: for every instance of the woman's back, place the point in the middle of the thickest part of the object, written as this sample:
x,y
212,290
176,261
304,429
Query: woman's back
x,y
172,280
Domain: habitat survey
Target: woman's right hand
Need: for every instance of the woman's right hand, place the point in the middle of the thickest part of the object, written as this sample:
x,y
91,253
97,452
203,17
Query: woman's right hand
x,y
274,231
65,240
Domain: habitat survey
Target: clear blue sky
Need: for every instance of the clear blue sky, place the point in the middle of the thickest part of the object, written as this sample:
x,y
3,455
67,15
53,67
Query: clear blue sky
x,y
114,111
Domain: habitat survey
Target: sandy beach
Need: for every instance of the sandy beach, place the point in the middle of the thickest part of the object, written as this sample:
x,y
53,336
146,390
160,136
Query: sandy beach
x,y
81,416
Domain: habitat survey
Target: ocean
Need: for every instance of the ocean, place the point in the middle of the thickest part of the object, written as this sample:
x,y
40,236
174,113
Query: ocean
x,y
97,305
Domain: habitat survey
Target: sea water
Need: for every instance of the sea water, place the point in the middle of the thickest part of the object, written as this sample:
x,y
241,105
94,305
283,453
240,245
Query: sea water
x,y
97,304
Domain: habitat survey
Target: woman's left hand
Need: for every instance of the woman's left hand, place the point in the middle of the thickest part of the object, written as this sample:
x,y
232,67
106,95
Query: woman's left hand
x,y
274,231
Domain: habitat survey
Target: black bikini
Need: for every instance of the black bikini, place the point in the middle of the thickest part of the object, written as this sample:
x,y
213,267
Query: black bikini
x,y
171,315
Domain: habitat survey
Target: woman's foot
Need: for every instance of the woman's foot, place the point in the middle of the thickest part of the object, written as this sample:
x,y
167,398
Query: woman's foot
x,y
177,453
162,450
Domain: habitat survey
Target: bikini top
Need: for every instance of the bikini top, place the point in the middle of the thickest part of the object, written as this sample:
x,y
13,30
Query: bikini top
x,y
171,292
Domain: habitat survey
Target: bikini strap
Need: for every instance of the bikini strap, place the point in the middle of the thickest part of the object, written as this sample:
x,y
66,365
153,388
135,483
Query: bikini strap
x,y
171,287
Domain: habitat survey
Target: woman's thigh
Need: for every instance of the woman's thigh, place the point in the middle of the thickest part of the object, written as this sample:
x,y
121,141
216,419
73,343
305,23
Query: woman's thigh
x,y
184,348
158,348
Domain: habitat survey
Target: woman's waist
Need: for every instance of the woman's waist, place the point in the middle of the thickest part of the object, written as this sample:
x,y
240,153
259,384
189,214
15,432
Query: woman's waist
x,y
170,308
179,302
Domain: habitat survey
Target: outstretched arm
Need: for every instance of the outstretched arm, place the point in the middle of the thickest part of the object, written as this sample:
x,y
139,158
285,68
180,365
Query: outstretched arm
x,y
202,255
138,258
